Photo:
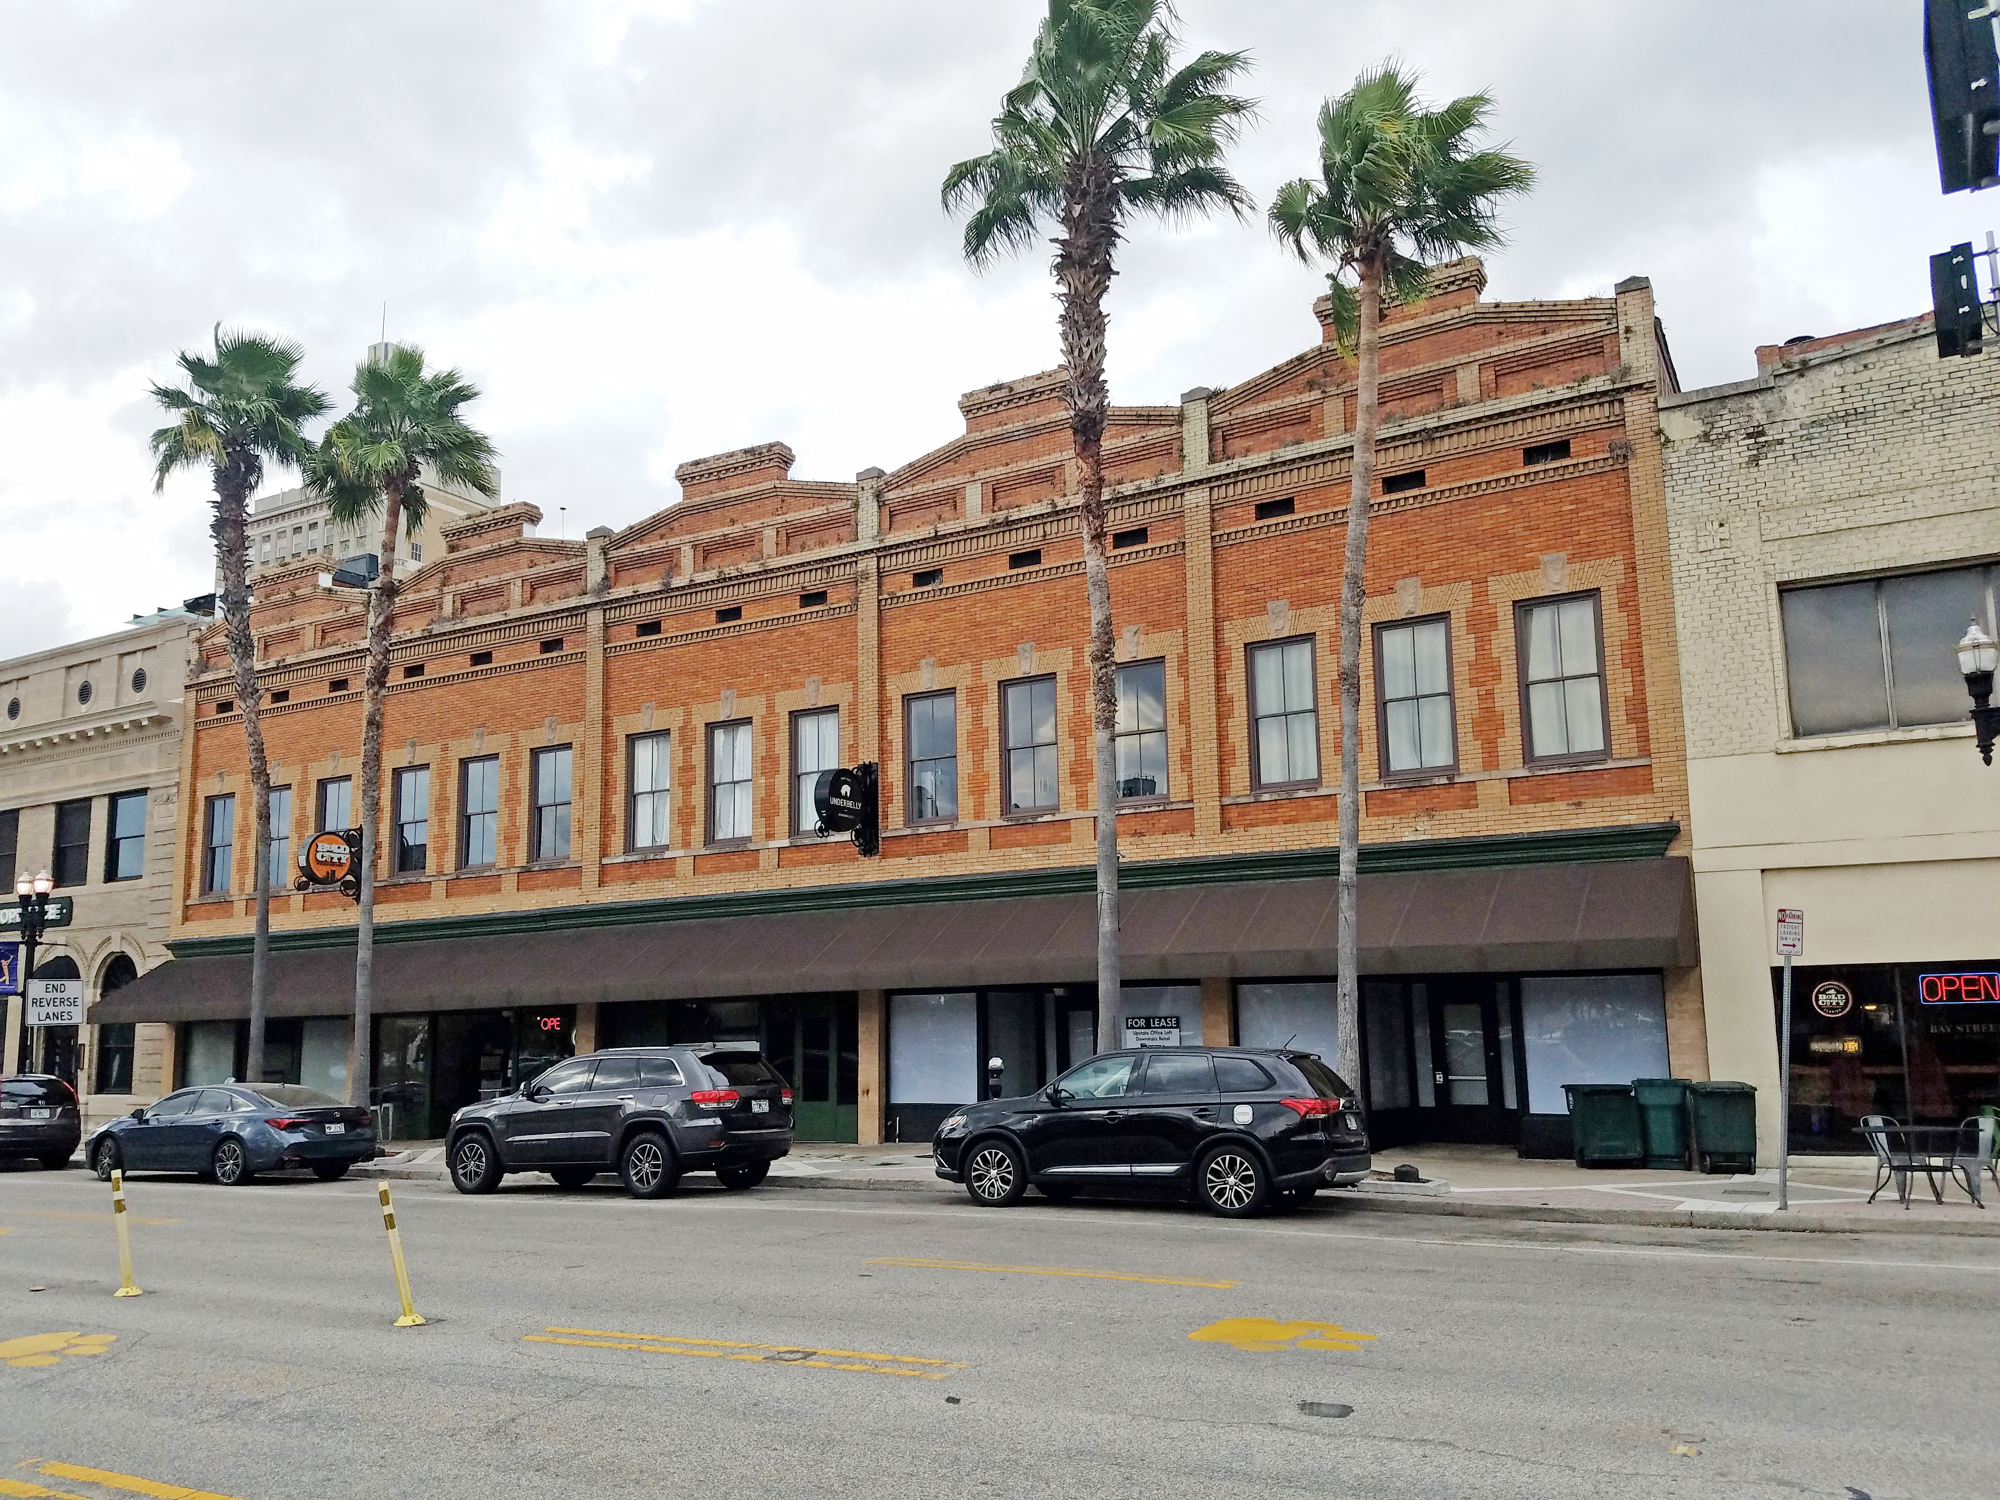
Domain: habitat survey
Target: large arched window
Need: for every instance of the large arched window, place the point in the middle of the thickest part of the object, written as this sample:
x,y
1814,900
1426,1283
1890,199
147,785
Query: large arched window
x,y
52,1049
62,966
116,1041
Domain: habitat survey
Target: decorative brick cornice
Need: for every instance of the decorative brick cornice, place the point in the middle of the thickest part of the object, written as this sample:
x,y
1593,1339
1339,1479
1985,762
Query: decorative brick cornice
x,y
720,466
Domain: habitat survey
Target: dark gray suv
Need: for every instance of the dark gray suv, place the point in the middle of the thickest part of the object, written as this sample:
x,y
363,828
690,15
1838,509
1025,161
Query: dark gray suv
x,y
649,1113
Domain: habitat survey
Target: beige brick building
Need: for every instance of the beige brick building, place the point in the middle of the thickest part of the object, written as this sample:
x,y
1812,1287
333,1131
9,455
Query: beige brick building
x,y
600,753
1834,523
90,742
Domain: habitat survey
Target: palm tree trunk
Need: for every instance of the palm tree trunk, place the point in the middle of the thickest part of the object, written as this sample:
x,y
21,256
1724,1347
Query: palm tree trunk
x,y
1083,276
235,477
1347,1003
375,691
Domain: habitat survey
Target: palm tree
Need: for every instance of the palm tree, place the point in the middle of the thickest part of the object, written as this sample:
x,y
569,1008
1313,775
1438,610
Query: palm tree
x,y
1101,125
241,409
1400,189
404,422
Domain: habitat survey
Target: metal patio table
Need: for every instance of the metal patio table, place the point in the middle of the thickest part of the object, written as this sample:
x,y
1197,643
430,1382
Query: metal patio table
x,y
1901,1150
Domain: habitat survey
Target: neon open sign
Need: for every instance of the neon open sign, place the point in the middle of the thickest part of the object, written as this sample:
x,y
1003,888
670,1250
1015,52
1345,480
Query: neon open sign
x,y
1964,987
550,1023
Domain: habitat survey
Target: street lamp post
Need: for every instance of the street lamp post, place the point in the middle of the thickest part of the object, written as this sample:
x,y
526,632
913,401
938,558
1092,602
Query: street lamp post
x,y
31,892
1978,656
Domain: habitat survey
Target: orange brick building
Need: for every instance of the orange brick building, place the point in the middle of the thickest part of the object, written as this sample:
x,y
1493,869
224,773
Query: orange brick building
x,y
598,754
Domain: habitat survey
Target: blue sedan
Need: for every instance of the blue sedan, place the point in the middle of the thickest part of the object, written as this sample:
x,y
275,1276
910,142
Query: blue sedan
x,y
230,1132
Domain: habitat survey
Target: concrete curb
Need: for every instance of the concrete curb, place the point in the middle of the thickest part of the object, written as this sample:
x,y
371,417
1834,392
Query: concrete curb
x,y
1914,1223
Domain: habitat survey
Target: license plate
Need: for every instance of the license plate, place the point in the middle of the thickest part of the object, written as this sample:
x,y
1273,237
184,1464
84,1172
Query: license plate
x,y
41,1114
336,1130
760,1106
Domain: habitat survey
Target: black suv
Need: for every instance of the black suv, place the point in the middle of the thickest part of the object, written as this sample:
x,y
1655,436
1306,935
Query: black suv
x,y
650,1113
39,1118
1238,1127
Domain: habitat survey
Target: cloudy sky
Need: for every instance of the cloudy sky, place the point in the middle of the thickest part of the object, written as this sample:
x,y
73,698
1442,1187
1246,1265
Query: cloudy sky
x,y
655,229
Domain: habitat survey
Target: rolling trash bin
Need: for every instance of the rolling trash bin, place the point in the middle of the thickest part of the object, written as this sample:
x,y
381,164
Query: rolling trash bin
x,y
1604,1122
1722,1126
1663,1118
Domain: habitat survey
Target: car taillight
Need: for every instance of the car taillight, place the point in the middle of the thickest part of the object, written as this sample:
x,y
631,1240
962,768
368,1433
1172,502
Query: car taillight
x,y
1312,1109
714,1098
286,1122
785,1097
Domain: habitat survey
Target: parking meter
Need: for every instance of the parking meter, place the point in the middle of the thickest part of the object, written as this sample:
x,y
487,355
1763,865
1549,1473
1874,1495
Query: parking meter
x,y
995,1070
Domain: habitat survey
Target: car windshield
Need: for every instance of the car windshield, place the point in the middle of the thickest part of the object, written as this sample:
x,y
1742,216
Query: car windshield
x,y
36,1091
1325,1082
295,1095
739,1068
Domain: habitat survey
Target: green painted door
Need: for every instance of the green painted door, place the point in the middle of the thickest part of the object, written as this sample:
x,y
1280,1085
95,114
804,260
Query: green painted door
x,y
816,1036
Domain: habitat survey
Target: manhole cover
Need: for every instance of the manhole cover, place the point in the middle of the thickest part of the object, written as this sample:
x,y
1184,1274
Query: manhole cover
x,y
792,1356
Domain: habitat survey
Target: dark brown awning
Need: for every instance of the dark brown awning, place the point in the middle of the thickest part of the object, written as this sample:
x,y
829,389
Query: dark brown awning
x,y
1617,914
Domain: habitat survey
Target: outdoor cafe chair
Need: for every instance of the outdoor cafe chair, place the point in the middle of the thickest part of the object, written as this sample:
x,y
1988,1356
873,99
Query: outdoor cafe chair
x,y
1976,1152
1895,1160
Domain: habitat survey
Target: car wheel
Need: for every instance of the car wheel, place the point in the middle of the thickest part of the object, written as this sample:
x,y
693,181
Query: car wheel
x,y
571,1177
54,1163
995,1175
1232,1182
1056,1192
738,1178
230,1165
331,1171
648,1167
105,1159
475,1164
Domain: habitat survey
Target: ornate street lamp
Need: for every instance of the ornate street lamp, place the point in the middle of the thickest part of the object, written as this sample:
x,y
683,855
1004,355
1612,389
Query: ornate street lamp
x,y
32,894
1978,656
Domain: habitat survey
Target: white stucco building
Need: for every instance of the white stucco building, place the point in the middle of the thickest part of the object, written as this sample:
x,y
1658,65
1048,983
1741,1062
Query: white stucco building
x,y
1834,523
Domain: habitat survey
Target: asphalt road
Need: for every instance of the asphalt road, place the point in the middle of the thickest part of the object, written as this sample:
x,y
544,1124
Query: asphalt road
x,y
782,1342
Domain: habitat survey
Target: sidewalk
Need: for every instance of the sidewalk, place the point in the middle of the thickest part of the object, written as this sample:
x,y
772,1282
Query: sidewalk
x,y
1828,1194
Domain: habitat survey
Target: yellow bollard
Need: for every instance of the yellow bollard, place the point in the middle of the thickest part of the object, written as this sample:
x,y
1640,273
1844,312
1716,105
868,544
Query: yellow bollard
x,y
126,1288
410,1318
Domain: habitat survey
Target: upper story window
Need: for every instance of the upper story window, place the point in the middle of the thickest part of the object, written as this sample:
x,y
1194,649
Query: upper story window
x,y
548,833
930,722
1877,653
649,811
10,846
1562,678
1284,714
479,812
815,748
278,851
218,844
413,820
729,782
1028,737
336,804
1140,736
125,836
71,864
1413,695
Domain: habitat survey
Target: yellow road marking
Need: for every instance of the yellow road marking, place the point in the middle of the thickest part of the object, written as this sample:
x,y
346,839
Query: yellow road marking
x,y
49,1213
127,1482
34,1491
666,1343
1269,1336
972,1265
38,1349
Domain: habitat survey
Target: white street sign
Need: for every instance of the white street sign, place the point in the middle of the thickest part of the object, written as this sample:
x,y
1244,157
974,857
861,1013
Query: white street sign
x,y
55,1002
1791,932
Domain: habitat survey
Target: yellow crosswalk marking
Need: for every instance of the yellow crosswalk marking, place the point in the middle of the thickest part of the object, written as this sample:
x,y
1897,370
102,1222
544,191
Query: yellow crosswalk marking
x,y
105,1478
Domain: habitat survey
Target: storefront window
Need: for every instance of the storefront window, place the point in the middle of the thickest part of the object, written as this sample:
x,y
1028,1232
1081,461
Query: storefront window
x,y
1914,1042
1591,1028
210,1055
1301,1016
933,1059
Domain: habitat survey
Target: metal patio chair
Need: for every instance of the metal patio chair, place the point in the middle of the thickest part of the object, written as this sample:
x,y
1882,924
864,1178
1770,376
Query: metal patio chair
x,y
1894,1160
1977,1152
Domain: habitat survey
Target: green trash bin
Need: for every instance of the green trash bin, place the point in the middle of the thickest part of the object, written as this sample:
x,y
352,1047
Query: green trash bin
x,y
1663,1114
1722,1126
1605,1125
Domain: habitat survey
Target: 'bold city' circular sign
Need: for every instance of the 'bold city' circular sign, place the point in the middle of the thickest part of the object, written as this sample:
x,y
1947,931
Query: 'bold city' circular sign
x,y
326,857
1833,1000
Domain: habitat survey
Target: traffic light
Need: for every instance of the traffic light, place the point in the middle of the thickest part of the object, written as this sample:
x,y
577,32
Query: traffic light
x,y
1960,57
1961,324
